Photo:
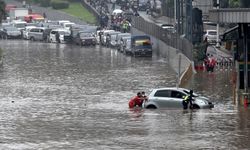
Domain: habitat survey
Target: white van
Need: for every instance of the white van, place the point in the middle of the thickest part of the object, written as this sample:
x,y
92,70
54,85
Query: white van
x,y
67,25
26,31
19,24
64,35
36,34
60,22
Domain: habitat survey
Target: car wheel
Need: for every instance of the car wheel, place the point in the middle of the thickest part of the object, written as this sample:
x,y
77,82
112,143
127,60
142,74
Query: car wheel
x,y
151,107
196,106
32,38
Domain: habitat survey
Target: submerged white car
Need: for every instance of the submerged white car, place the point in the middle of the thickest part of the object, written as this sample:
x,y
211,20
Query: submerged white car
x,y
172,97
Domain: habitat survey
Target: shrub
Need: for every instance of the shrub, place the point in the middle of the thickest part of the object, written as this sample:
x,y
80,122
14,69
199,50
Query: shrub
x,y
59,4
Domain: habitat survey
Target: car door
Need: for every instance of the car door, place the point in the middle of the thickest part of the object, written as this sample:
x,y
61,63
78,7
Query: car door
x,y
32,33
36,33
163,98
176,98
52,36
40,34
77,39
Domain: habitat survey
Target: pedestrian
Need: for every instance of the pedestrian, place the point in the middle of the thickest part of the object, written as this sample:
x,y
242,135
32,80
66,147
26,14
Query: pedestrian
x,y
136,101
57,37
44,15
188,100
100,36
108,39
145,98
191,95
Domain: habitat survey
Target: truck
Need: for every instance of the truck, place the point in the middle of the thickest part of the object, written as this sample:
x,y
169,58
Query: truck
x,y
141,45
18,13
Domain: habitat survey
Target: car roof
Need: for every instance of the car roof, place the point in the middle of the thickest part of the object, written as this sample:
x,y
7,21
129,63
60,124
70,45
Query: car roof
x,y
30,27
139,36
60,29
211,30
116,32
121,34
40,28
172,88
109,31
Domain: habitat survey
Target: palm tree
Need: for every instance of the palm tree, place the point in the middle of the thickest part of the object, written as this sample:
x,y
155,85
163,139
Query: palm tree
x,y
2,10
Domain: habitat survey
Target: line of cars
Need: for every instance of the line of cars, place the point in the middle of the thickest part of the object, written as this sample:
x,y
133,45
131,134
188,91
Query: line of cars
x,y
62,31
135,45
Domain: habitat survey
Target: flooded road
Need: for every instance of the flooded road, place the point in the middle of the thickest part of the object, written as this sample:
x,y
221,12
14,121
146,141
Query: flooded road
x,y
67,97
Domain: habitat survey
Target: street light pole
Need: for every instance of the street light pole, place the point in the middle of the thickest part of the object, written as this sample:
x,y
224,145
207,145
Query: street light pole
x,y
217,27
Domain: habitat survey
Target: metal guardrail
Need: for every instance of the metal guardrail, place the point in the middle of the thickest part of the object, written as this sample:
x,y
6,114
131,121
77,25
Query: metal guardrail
x,y
171,39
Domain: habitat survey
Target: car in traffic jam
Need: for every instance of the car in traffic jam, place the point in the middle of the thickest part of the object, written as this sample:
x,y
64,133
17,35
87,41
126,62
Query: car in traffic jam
x,y
67,32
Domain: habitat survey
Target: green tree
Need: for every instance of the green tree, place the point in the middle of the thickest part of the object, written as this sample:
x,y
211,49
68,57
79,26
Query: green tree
x,y
2,10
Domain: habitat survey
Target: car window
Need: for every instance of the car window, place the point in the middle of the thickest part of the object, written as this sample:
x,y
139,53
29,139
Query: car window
x,y
177,94
212,33
53,32
34,30
163,93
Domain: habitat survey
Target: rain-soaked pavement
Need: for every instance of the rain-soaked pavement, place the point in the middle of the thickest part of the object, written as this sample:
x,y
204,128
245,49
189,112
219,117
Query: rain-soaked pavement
x,y
65,97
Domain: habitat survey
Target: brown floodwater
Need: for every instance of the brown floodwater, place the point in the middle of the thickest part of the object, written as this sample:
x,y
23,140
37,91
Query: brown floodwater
x,y
70,97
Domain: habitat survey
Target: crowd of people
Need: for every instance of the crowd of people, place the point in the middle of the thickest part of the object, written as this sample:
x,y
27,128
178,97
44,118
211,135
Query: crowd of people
x,y
115,21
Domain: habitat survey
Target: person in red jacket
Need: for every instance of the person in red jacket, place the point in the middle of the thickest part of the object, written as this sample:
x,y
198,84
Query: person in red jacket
x,y
136,101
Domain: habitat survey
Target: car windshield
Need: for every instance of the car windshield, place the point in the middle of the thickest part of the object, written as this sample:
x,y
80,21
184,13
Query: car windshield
x,y
86,35
20,25
68,25
142,42
212,33
63,33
